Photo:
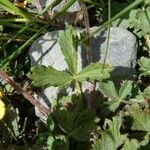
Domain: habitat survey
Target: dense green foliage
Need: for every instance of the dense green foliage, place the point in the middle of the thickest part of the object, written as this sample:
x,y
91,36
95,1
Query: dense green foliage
x,y
119,118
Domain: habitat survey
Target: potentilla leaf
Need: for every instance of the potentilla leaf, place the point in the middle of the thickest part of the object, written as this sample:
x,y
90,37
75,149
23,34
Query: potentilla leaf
x,y
114,99
125,90
68,44
95,71
131,145
140,20
141,118
144,66
77,125
42,76
111,139
108,89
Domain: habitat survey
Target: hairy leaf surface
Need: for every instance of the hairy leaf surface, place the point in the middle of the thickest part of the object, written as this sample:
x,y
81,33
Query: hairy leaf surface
x,y
111,139
144,66
68,44
114,97
95,71
42,76
141,118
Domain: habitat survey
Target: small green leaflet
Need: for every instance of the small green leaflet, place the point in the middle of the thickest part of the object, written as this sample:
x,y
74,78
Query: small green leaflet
x,y
50,142
50,123
95,71
115,98
147,2
144,66
131,145
141,118
139,19
142,97
111,139
68,44
125,89
108,89
42,76
134,144
59,142
77,125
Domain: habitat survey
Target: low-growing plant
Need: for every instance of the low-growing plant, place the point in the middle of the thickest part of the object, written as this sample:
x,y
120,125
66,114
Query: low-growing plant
x,y
112,123
115,118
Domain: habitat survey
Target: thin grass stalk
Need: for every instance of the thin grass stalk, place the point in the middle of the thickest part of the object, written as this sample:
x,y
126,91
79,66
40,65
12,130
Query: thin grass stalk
x,y
14,20
10,6
31,22
22,20
120,14
108,35
20,27
56,16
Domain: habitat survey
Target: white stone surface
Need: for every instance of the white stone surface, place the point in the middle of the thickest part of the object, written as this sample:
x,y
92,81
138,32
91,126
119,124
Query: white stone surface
x,y
73,8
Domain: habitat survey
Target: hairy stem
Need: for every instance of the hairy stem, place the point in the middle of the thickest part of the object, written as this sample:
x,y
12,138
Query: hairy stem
x,y
108,35
91,86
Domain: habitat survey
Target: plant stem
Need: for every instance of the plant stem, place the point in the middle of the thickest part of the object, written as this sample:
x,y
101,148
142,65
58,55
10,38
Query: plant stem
x,y
91,86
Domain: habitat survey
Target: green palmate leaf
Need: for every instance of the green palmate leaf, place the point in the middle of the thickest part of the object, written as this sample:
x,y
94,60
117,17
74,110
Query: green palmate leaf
x,y
68,44
106,142
131,145
144,66
109,90
141,118
112,138
82,133
139,19
95,71
115,126
42,76
113,104
77,125
142,97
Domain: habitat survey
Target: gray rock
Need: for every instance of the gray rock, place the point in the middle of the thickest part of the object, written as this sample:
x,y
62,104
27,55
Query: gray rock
x,y
121,55
73,8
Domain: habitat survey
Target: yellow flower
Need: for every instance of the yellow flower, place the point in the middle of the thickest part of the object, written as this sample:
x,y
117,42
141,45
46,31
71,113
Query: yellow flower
x,y
2,107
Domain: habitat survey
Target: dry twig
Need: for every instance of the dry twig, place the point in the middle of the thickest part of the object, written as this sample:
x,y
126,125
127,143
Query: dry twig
x,y
29,97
